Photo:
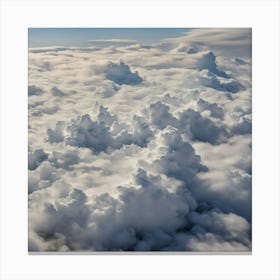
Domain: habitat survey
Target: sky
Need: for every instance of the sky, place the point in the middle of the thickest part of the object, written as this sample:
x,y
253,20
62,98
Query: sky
x,y
140,146
45,37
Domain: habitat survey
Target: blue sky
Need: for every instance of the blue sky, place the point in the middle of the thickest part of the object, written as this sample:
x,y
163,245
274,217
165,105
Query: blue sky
x,y
45,37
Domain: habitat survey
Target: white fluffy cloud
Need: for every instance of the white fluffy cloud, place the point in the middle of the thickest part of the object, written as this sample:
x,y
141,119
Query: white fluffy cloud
x,y
142,147
121,74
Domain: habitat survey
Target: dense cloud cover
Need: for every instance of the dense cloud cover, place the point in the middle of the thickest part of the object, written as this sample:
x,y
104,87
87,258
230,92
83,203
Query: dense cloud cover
x,y
142,147
121,74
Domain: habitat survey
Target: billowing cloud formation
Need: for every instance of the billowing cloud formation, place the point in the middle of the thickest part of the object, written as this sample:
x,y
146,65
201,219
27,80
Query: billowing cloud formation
x,y
34,90
160,115
208,61
96,135
215,110
209,79
35,158
121,74
56,135
156,161
180,160
202,129
57,92
243,127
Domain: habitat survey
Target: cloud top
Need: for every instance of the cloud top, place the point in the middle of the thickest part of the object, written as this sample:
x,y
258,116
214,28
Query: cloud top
x,y
121,74
152,153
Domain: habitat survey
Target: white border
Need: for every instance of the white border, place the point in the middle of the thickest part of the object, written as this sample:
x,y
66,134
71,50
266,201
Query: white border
x,y
262,16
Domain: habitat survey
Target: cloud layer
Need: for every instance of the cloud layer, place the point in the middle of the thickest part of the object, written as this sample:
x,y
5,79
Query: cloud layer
x,y
142,147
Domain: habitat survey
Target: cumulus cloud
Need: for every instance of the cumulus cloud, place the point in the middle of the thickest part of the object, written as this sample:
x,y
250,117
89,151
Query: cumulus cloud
x,y
208,61
56,134
160,115
201,128
42,177
150,216
180,160
158,160
215,110
121,74
230,226
244,126
64,160
96,135
57,92
90,134
35,158
240,61
209,79
142,218
34,90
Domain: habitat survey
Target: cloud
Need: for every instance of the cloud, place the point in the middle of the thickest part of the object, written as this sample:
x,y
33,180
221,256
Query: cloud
x,y
57,92
227,184
64,160
209,79
121,74
224,41
96,135
43,50
240,61
215,110
207,242
34,90
180,160
116,41
243,127
188,49
158,160
140,214
152,216
45,66
201,128
56,135
141,134
106,117
55,49
40,110
35,158
90,134
160,115
208,61
230,226
42,177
